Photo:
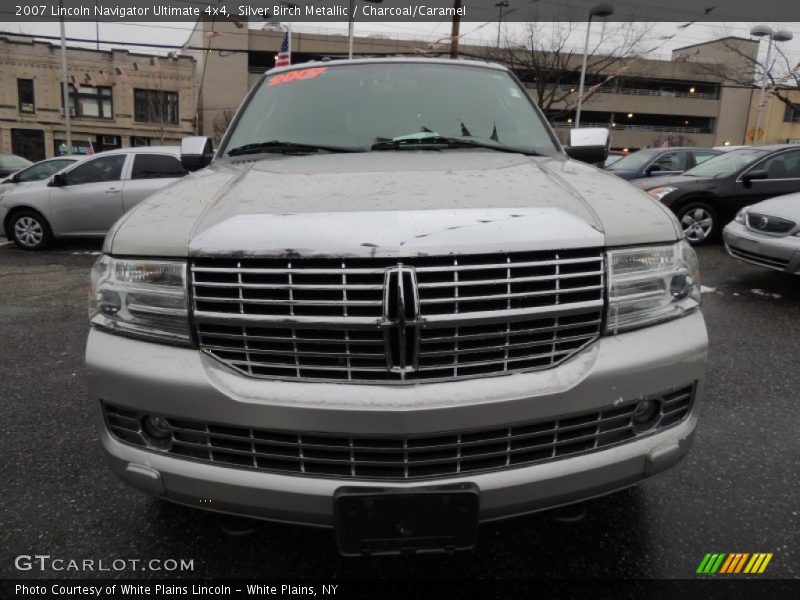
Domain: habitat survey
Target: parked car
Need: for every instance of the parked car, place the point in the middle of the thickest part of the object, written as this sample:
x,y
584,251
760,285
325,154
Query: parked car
x,y
11,163
767,234
86,198
710,195
36,172
369,315
660,161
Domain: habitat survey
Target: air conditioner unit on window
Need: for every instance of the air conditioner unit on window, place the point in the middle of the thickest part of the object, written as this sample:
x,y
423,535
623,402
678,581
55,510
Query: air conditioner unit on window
x,y
109,140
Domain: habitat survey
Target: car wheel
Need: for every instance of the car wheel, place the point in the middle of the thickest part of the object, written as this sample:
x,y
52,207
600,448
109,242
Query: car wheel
x,y
30,231
699,222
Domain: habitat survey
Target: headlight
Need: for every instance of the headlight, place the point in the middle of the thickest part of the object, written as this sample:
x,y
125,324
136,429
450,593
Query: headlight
x,y
651,284
659,192
140,298
741,215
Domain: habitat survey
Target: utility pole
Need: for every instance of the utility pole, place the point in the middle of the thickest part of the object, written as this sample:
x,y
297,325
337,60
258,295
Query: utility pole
x,y
456,28
64,83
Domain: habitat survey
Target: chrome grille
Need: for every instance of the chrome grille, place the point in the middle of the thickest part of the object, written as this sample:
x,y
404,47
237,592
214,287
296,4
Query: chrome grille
x,y
411,457
326,319
769,224
763,260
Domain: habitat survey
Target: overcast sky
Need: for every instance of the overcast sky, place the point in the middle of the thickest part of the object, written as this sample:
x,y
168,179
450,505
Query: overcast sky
x,y
177,33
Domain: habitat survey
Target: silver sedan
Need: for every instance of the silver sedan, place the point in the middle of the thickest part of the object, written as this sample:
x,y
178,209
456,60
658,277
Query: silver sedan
x,y
767,234
86,198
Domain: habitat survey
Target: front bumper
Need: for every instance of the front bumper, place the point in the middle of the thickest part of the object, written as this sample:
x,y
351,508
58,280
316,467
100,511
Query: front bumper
x,y
184,382
772,252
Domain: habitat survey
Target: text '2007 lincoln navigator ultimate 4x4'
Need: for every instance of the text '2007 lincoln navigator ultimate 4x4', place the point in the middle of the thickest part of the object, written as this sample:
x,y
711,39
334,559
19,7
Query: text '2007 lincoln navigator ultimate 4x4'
x,y
393,305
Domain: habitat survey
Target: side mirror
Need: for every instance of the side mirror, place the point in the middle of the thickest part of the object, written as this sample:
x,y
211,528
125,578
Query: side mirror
x,y
589,144
196,152
652,169
749,177
14,178
58,180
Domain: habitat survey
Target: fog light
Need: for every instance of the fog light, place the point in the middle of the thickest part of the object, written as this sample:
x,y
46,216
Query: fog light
x,y
157,427
646,412
681,286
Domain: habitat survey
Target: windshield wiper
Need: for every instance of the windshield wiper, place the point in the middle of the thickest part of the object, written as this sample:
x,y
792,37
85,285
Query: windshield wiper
x,y
440,141
278,146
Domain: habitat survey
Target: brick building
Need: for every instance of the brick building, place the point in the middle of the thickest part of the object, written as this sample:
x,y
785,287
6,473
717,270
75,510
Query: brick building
x,y
118,99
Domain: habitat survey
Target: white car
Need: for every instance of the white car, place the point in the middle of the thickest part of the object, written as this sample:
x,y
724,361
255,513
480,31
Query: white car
x,y
38,172
85,199
767,234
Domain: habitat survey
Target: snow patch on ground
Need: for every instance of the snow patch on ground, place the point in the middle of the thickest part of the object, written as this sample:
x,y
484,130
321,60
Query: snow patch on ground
x,y
765,294
91,252
704,289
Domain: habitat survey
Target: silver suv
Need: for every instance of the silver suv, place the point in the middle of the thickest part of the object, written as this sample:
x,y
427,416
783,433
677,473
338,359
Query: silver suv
x,y
394,305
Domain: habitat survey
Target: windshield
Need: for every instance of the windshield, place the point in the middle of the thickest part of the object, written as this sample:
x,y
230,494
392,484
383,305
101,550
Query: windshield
x,y
633,162
727,164
354,107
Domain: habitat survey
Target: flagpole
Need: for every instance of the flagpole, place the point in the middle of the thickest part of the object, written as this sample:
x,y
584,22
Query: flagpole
x,y
64,84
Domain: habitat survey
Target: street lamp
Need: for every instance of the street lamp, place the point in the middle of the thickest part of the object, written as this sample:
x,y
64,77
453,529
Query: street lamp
x,y
351,17
501,5
760,31
602,11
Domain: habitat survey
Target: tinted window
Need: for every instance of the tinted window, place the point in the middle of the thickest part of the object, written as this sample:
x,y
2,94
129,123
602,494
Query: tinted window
x,y
672,161
633,162
43,170
368,103
701,157
728,163
785,165
105,168
155,166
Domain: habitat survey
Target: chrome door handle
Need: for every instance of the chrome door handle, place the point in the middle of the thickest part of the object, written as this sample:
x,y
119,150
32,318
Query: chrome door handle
x,y
112,190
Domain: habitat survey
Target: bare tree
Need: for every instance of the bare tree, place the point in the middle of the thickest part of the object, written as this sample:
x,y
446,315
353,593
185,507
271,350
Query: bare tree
x,y
545,58
669,140
220,125
745,69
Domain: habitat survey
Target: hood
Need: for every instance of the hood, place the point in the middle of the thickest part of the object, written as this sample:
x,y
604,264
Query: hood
x,y
390,204
786,207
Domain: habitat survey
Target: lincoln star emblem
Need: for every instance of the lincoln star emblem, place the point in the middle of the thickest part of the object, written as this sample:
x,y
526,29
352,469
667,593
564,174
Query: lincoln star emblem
x,y
401,321
763,222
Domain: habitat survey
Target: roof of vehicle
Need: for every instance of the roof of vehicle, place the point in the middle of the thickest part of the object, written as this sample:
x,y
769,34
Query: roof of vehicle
x,y
672,148
395,60
176,150
770,147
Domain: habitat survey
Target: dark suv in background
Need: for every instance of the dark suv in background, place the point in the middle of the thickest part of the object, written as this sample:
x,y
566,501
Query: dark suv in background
x,y
660,161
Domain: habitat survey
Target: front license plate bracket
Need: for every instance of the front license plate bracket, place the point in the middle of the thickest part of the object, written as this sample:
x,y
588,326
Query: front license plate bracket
x,y
380,521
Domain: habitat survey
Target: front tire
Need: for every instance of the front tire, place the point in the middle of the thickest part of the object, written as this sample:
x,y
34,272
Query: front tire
x,y
30,231
699,222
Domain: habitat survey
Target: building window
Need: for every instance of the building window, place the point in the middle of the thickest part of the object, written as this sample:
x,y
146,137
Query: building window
x,y
27,104
155,106
792,114
92,102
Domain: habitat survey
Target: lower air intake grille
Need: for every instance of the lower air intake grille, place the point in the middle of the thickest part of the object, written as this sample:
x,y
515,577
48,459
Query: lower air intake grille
x,y
410,457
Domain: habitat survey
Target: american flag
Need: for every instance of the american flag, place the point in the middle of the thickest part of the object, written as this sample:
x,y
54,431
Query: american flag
x,y
284,58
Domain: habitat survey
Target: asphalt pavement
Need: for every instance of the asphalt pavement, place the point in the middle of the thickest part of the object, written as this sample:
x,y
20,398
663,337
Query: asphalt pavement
x,y
738,491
